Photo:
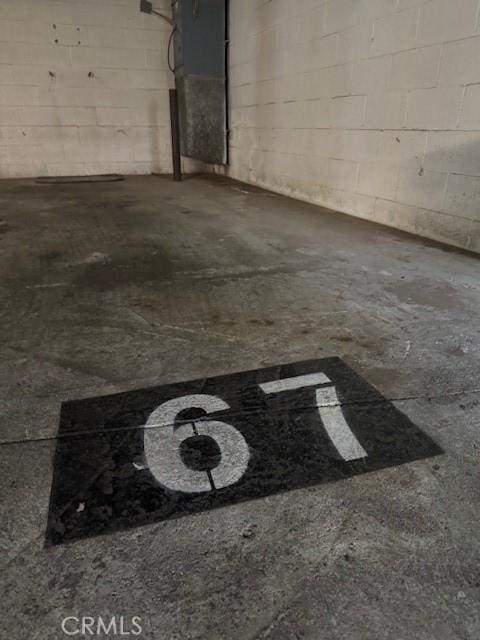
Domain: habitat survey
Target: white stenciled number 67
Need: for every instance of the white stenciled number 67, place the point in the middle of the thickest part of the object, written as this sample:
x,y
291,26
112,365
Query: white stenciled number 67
x,y
162,442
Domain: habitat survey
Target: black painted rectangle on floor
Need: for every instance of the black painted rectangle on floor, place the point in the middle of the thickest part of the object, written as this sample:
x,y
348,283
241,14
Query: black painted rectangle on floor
x,y
142,456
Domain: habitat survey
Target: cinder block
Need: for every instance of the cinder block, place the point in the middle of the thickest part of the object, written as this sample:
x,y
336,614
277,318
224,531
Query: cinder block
x,y
10,115
35,75
109,151
104,136
404,148
157,148
436,108
356,145
321,142
371,10
342,174
12,11
305,168
339,80
371,75
6,75
463,196
23,169
18,95
116,37
241,52
243,96
416,68
268,115
470,116
151,115
453,151
348,111
310,85
324,83
444,20
474,237
409,4
316,54
98,57
60,96
19,53
265,15
54,116
394,33
421,188
378,179
128,97
47,135
239,117
158,60
89,14
395,214
264,139
240,74
41,116
113,116
29,136
280,89
341,14
150,136
147,79
25,31
25,154
323,195
310,114
354,44
443,227
460,62
268,67
309,25
145,39
66,168
80,117
358,204
386,110
12,135
91,168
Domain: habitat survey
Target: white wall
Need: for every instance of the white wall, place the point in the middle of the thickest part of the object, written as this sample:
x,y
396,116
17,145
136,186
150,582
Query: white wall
x,y
83,88
371,107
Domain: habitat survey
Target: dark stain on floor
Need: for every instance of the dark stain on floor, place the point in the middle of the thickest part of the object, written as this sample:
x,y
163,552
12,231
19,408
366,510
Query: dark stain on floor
x,y
424,293
127,268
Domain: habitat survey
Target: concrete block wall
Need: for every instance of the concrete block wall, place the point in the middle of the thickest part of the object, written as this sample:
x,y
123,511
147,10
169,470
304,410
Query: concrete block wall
x,y
83,88
371,107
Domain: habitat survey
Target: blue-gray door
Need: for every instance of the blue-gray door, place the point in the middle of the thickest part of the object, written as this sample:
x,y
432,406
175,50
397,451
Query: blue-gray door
x,y
200,75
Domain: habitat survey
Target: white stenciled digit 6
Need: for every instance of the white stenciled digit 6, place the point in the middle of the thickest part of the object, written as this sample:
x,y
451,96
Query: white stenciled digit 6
x,y
163,440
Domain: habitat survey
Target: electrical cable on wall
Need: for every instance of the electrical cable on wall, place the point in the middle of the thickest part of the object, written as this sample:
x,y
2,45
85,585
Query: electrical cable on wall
x,y
170,41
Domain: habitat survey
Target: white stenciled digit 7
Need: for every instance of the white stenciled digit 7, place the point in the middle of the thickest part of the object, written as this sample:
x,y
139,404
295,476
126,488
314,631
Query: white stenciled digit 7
x,y
340,434
162,442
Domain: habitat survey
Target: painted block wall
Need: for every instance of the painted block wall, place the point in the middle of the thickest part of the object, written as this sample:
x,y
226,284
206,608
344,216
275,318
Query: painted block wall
x,y
83,88
370,107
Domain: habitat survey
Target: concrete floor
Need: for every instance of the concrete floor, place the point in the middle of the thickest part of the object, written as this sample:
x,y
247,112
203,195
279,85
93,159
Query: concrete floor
x,y
116,286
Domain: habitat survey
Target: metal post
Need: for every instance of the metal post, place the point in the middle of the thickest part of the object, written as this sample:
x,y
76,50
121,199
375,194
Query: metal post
x,y
177,168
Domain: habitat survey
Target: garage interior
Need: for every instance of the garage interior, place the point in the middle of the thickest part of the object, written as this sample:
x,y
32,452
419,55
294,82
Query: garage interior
x,y
205,187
